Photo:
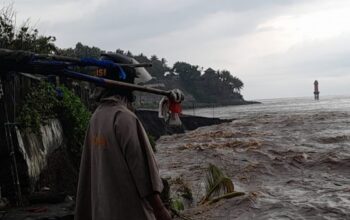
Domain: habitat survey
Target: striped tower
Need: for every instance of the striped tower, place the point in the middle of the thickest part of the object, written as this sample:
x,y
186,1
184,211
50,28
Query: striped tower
x,y
316,91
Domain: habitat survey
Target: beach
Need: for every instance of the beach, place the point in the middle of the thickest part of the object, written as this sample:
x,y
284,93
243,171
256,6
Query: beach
x,y
291,158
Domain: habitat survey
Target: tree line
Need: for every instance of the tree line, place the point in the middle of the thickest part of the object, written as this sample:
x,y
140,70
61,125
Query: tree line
x,y
205,85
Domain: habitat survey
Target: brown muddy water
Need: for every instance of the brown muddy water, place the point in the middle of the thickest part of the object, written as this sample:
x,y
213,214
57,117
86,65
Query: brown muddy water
x,y
290,156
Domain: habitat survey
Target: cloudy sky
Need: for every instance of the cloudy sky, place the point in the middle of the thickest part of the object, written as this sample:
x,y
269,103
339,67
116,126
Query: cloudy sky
x,y
277,47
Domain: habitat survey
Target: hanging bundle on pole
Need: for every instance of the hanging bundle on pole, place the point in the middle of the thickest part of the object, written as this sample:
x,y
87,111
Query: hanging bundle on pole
x,y
170,107
109,64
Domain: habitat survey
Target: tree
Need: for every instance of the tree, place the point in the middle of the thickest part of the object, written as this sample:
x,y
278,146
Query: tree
x,y
129,54
154,58
187,72
81,50
23,37
225,76
237,84
120,51
210,74
164,61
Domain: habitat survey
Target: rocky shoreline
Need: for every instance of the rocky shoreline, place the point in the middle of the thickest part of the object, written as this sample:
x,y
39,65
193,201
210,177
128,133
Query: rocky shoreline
x,y
190,105
157,127
221,104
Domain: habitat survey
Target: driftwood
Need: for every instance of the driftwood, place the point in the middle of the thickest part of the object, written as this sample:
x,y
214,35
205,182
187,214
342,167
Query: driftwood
x,y
226,196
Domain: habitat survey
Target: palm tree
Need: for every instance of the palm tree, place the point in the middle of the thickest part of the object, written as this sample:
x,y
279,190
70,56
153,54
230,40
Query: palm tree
x,y
219,185
237,84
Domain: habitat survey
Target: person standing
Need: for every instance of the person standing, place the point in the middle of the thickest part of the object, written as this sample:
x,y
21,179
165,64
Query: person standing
x,y
119,177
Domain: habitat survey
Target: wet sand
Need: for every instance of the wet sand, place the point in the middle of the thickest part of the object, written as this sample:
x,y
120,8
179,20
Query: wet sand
x,y
291,166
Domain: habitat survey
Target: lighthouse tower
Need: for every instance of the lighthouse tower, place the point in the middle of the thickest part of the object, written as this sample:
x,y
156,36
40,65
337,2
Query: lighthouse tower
x,y
316,91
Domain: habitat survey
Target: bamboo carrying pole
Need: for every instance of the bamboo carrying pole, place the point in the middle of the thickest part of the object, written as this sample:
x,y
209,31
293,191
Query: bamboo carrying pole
x,y
25,65
112,83
77,60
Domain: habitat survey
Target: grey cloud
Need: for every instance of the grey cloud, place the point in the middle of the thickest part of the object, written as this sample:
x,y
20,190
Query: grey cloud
x,y
131,20
327,58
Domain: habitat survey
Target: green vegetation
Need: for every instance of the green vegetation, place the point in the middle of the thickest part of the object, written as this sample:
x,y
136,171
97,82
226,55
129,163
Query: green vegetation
x,y
38,107
74,117
152,141
81,50
219,185
42,103
23,37
187,193
226,196
206,86
177,205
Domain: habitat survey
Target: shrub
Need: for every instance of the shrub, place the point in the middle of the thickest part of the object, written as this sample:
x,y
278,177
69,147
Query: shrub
x,y
42,103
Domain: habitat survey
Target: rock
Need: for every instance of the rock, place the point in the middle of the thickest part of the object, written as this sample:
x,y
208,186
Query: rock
x,y
157,127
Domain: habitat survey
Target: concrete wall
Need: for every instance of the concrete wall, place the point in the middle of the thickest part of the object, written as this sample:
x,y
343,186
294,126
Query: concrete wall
x,y
35,148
